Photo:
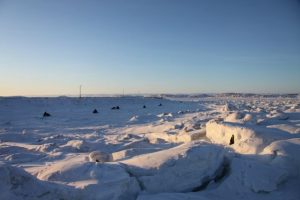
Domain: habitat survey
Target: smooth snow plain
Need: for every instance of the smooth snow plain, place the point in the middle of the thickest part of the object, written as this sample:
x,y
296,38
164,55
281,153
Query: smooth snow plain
x,y
171,148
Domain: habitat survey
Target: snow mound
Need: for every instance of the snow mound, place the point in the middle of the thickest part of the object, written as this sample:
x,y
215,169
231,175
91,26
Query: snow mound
x,y
241,118
277,115
77,145
22,157
165,115
244,139
295,106
181,136
228,107
179,169
17,184
93,180
291,128
120,155
101,157
285,154
252,175
47,147
134,118
260,177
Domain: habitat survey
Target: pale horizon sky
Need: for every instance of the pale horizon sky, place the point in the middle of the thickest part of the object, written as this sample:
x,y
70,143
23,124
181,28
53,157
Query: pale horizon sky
x,y
149,46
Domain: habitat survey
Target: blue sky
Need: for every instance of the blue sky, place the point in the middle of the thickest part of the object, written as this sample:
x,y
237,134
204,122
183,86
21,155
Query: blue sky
x,y
149,46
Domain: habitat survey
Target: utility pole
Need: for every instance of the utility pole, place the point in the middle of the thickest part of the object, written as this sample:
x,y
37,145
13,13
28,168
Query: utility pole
x,y
80,91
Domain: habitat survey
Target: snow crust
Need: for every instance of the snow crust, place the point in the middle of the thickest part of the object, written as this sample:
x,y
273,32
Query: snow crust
x,y
204,147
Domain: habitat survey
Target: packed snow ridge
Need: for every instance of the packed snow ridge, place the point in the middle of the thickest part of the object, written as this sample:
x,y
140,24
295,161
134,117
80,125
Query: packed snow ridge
x,y
168,147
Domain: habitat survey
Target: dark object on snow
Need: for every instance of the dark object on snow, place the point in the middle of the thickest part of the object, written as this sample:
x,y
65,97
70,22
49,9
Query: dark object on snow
x,y
160,104
95,111
231,140
46,114
115,108
144,106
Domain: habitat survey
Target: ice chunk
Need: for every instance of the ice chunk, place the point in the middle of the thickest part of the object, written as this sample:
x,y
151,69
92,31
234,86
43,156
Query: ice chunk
x,y
78,145
228,107
15,183
254,175
239,117
177,137
179,169
101,157
93,180
285,155
247,139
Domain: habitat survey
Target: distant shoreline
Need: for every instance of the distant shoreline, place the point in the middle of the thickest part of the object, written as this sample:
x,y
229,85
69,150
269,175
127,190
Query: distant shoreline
x,y
167,95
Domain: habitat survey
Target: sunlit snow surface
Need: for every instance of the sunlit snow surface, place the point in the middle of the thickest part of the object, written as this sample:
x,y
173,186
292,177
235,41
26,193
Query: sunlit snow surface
x,y
180,147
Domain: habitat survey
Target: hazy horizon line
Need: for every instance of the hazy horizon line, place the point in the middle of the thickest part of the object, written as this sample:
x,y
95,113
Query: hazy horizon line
x,y
143,94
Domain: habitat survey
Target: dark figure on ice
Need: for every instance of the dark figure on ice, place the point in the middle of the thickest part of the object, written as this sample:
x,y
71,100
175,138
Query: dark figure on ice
x,y
231,140
46,114
160,104
144,106
115,108
95,111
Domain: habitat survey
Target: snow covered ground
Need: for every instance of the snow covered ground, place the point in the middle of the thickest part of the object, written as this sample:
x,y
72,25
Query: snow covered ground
x,y
180,147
